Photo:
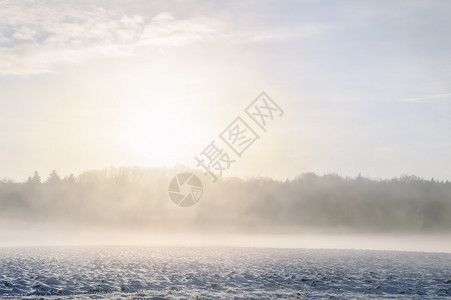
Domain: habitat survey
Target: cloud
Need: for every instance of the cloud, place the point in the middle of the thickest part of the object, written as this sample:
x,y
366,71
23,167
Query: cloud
x,y
37,36
42,36
3,39
24,33
435,97
164,29
302,31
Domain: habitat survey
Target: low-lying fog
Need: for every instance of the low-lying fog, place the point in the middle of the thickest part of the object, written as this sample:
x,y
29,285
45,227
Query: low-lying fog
x,y
122,206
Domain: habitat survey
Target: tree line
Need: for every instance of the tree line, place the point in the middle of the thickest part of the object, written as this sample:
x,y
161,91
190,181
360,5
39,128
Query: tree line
x,y
138,197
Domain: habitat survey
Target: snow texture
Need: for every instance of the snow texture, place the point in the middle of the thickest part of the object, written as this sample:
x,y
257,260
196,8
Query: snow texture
x,y
228,273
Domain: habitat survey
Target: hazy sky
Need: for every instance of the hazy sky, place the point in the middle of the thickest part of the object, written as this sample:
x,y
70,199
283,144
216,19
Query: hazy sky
x,y
365,85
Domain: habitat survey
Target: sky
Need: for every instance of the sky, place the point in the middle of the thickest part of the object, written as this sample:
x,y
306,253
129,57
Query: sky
x,y
364,85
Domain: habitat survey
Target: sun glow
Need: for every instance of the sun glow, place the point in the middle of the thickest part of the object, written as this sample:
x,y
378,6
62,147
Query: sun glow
x,y
159,132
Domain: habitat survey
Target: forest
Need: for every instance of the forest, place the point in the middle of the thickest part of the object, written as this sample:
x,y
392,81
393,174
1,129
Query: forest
x,y
130,197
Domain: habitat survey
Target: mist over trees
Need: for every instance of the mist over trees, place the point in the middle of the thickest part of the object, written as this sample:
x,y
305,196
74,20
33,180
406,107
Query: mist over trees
x,y
132,197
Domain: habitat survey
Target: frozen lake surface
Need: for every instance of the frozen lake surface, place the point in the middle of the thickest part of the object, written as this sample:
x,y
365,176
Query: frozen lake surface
x,y
209,273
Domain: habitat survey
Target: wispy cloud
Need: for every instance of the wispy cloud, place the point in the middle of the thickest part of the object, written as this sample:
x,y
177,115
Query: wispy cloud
x,y
429,98
3,39
164,29
35,37
300,31
24,33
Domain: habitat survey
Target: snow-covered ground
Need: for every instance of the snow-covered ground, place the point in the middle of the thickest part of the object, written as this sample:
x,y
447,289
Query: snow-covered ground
x,y
208,273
